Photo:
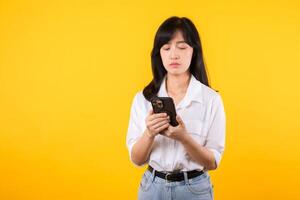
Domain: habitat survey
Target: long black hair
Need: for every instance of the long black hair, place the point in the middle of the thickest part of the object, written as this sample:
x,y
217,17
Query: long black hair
x,y
163,35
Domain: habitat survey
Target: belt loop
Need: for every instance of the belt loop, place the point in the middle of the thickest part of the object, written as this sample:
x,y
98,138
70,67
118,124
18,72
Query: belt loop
x,y
186,179
166,178
153,174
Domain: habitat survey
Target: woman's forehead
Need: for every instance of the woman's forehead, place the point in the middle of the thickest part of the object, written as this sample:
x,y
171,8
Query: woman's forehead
x,y
177,38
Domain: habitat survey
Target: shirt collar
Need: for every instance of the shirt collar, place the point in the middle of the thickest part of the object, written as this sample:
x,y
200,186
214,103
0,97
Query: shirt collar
x,y
193,93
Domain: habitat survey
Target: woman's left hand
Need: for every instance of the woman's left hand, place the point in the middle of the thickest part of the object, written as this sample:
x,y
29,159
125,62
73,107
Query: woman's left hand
x,y
178,132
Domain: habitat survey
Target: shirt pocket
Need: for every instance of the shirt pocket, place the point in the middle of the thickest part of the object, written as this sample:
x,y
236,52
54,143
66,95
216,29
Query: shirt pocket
x,y
195,128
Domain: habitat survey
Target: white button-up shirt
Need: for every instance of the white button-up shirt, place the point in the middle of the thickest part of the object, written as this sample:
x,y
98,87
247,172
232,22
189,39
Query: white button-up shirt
x,y
202,112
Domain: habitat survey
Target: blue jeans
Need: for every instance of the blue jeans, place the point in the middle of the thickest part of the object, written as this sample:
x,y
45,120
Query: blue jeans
x,y
155,188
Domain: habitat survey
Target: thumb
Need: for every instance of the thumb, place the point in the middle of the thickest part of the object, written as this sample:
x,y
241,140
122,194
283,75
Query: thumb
x,y
179,120
150,112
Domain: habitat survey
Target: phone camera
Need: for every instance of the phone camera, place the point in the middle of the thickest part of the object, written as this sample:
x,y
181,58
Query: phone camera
x,y
158,103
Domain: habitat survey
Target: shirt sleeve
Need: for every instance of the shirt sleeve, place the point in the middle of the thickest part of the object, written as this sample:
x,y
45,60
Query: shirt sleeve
x,y
136,121
216,133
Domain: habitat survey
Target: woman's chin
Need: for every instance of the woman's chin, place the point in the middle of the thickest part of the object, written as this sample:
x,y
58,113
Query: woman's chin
x,y
176,72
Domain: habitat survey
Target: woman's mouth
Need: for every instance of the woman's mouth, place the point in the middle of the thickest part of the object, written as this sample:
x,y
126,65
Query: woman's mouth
x,y
174,64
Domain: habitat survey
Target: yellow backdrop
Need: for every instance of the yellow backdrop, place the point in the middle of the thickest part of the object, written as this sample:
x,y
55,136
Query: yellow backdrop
x,y
69,71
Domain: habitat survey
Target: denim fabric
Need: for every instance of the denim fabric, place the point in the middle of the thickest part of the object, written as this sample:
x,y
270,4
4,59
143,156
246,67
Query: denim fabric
x,y
155,188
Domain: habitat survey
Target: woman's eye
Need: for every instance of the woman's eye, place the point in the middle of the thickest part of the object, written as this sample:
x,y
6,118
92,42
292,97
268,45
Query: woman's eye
x,y
182,47
166,48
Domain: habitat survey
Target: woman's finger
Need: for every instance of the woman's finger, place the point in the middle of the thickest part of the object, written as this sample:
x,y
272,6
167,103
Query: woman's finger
x,y
150,112
157,115
157,125
156,120
162,128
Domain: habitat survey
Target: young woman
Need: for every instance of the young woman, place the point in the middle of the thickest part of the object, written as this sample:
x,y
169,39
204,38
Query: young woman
x,y
178,157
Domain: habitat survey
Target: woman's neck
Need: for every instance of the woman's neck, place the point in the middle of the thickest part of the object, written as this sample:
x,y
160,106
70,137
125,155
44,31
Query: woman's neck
x,y
176,85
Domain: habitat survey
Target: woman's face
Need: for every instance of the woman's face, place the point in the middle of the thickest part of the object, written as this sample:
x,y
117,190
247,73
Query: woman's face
x,y
176,55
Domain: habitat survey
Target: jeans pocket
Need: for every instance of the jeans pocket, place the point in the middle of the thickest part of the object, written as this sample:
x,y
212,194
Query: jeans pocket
x,y
145,182
200,187
212,191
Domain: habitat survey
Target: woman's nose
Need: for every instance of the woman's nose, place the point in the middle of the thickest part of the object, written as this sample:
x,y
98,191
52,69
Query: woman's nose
x,y
174,53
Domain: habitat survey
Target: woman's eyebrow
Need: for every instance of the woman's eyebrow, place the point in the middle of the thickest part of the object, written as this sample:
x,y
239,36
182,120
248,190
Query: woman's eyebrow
x,y
178,42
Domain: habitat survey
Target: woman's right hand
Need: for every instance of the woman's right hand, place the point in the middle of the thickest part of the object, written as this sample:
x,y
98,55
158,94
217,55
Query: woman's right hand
x,y
156,122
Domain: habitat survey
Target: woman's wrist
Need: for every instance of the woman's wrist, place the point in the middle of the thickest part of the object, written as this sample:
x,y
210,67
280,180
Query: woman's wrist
x,y
185,138
149,134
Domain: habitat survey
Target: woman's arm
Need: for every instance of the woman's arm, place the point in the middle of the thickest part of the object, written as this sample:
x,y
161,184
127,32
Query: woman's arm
x,y
199,153
209,155
142,148
155,123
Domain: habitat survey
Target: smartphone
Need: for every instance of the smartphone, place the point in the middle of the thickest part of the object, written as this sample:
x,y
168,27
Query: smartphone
x,y
165,105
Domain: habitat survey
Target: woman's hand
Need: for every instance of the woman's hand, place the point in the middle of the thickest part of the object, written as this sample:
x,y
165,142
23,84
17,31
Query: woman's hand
x,y
156,123
178,132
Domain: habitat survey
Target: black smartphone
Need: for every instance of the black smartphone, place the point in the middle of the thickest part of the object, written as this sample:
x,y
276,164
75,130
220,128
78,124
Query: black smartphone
x,y
165,105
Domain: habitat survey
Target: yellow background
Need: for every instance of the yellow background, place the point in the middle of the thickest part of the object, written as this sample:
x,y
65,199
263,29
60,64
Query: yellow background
x,y
69,71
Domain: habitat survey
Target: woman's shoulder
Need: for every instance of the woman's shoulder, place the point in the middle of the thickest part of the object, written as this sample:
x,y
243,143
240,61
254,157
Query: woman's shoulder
x,y
139,100
209,92
138,96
